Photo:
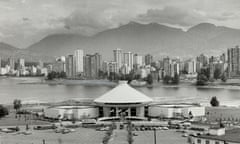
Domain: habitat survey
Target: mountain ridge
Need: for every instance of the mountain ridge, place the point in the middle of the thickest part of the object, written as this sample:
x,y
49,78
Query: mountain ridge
x,y
153,38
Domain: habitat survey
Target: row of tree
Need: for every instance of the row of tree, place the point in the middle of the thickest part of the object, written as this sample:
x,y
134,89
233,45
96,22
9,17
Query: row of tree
x,y
171,80
52,75
3,111
17,104
203,76
129,77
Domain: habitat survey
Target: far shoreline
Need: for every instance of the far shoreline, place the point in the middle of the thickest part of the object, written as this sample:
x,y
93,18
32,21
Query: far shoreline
x,y
105,82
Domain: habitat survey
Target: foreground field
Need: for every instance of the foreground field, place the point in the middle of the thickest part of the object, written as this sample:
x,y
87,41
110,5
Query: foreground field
x,y
80,136
91,136
11,120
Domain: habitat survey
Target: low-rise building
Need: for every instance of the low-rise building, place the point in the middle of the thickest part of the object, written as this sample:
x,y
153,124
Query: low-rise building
x,y
176,110
71,112
217,136
223,113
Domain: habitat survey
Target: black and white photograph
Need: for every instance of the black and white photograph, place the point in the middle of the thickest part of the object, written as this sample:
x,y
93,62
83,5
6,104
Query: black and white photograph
x,y
119,71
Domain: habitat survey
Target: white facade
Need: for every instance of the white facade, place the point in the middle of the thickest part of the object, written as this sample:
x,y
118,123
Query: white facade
x,y
191,67
88,112
54,113
21,63
79,61
70,112
138,60
128,60
174,111
3,71
217,131
118,58
223,113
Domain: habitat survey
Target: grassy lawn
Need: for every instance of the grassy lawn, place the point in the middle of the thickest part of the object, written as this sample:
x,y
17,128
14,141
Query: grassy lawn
x,y
11,120
80,136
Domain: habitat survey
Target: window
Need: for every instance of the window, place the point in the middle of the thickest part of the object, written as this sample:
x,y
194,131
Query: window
x,y
146,111
207,142
101,114
216,142
198,141
133,112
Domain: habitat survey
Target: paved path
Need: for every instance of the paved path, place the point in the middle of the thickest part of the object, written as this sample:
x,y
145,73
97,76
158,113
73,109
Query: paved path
x,y
119,137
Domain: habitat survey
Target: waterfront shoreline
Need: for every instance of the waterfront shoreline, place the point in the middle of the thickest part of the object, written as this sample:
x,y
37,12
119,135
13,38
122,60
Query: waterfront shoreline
x,y
112,84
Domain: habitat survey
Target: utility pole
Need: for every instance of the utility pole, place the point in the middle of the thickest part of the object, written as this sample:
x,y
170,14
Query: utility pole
x,y
155,138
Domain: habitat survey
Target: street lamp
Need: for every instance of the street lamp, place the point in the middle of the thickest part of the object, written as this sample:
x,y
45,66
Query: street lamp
x,y
155,138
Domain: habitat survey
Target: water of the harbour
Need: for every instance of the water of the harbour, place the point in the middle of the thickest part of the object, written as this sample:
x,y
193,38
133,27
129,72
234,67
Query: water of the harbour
x,y
10,89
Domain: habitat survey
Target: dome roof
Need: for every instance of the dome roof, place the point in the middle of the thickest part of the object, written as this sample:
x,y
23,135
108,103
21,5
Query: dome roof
x,y
123,93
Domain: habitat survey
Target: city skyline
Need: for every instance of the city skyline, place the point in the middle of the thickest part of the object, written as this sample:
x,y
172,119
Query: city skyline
x,y
120,71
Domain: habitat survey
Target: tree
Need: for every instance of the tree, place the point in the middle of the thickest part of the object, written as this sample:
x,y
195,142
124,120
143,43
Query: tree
x,y
17,104
51,75
224,77
217,73
62,74
206,72
167,79
137,76
175,79
190,115
3,111
149,79
201,79
214,102
113,76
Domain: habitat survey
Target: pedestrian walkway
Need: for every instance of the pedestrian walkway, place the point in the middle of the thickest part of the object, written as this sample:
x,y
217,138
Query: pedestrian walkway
x,y
119,137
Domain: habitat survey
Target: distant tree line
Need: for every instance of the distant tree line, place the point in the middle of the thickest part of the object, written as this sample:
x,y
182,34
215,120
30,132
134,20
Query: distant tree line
x,y
203,77
129,77
171,80
53,75
3,111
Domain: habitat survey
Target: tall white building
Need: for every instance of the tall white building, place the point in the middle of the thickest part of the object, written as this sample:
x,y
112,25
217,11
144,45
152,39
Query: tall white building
x,y
191,66
79,61
21,63
128,60
137,60
117,53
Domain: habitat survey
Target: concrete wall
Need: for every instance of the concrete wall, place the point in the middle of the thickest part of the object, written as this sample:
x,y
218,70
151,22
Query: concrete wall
x,y
171,112
70,113
85,113
54,113
156,111
196,111
223,113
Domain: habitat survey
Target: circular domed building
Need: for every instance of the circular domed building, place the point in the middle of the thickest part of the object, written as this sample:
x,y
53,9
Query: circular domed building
x,y
122,100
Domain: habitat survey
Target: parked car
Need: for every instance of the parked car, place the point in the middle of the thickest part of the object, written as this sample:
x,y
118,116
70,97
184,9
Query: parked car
x,y
6,130
165,128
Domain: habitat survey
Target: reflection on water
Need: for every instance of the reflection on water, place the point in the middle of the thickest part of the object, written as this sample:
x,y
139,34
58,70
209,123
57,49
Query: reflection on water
x,y
10,89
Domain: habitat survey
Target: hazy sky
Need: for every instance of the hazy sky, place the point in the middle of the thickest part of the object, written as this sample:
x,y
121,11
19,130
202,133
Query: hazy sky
x,y
23,22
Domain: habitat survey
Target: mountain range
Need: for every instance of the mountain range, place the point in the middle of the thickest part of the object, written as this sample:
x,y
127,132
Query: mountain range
x,y
156,39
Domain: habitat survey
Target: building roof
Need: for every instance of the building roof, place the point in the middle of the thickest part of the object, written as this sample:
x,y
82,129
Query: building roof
x,y
123,94
175,105
230,136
